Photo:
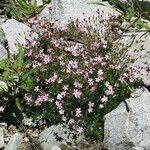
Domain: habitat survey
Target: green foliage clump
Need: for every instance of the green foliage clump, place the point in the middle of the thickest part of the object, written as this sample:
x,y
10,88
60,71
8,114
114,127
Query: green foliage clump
x,y
136,12
21,9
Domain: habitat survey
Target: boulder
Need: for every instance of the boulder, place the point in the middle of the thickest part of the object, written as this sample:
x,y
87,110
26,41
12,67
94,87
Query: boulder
x,y
14,142
15,33
3,44
64,10
125,130
139,44
55,148
3,52
1,138
56,135
1,20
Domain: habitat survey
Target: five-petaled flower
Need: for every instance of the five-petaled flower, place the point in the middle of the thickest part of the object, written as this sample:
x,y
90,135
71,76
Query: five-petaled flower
x,y
77,93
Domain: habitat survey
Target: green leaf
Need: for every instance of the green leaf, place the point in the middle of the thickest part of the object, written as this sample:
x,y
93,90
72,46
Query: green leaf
x,y
20,57
18,104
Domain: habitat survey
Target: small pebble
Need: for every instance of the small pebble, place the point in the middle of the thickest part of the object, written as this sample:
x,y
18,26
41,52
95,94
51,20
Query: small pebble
x,y
26,139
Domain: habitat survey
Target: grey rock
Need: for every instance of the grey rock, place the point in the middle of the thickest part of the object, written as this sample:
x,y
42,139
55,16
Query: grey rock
x,y
1,138
138,148
141,44
3,52
64,10
129,130
3,42
57,135
14,142
1,20
15,33
55,148
28,121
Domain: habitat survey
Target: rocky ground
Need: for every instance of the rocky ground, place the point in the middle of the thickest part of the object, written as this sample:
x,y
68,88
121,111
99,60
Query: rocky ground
x,y
29,140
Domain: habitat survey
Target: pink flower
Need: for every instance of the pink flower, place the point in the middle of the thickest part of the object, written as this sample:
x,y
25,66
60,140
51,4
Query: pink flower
x,y
29,53
77,93
73,50
99,79
31,20
90,81
95,45
93,89
59,105
109,90
98,59
73,64
77,85
43,98
71,121
61,111
80,130
56,43
37,103
78,112
47,59
61,95
104,99
90,109
60,80
36,64
101,106
2,109
107,57
65,87
62,29
36,89
90,104
28,98
33,43
100,72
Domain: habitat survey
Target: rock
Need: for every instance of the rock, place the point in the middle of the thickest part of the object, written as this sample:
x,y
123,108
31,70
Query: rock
x,y
55,148
15,142
35,134
3,50
26,139
1,138
141,44
3,124
63,10
129,130
6,139
28,121
1,20
57,135
15,33
138,148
